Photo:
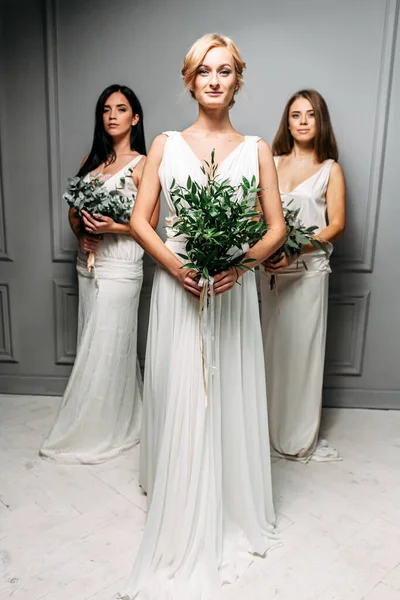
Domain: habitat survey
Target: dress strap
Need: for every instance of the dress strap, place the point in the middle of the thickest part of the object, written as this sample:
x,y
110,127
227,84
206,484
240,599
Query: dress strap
x,y
324,176
252,138
170,133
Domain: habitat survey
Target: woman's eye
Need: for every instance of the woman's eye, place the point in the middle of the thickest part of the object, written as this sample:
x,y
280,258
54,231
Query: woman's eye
x,y
295,116
311,114
226,72
122,110
202,71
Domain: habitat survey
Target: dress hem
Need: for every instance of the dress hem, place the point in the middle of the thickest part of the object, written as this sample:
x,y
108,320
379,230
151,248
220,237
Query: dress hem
x,y
80,459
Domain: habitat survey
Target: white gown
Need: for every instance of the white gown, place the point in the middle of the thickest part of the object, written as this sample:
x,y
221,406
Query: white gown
x,y
100,414
206,470
294,318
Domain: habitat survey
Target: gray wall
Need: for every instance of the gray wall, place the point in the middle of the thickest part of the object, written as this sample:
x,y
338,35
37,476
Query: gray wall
x,y
57,56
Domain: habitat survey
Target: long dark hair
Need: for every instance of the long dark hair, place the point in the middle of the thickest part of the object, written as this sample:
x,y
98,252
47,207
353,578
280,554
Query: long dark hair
x,y
102,147
325,145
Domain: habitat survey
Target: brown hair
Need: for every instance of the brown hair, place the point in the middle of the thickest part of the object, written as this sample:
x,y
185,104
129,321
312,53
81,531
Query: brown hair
x,y
197,52
325,145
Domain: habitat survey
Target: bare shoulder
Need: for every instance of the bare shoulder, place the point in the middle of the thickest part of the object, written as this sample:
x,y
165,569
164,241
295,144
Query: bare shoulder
x,y
264,153
264,149
336,173
159,142
336,188
157,149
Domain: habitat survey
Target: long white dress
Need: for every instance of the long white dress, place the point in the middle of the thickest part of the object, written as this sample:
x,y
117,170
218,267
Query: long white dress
x,y
206,470
294,318
100,414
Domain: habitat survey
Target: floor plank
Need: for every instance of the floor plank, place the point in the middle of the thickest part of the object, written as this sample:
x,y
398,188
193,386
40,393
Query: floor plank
x,y
73,531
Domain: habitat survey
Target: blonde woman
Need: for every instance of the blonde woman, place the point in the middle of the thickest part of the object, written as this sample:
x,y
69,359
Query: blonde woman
x,y
294,315
206,470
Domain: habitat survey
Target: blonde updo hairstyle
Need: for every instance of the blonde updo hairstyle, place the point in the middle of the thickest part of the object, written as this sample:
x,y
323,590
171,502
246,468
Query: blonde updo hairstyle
x,y
194,58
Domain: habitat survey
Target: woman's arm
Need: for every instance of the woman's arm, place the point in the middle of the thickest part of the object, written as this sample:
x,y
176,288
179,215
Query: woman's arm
x,y
74,221
137,179
336,208
73,218
271,206
87,242
145,210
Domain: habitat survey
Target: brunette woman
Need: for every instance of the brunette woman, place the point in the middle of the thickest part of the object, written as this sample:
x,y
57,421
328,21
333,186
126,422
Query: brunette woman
x,y
294,314
100,414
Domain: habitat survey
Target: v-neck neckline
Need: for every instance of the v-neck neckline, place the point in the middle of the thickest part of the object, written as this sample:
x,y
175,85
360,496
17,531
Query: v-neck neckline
x,y
200,161
108,176
301,182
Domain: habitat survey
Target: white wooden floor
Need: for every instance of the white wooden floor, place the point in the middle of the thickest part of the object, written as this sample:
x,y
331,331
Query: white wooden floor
x,y
71,532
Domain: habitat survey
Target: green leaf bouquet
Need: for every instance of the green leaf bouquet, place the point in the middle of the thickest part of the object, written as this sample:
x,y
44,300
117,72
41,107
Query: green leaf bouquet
x,y
91,195
297,236
217,221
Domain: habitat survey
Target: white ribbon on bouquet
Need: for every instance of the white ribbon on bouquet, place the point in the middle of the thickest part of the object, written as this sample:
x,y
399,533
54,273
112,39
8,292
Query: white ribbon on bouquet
x,y
207,335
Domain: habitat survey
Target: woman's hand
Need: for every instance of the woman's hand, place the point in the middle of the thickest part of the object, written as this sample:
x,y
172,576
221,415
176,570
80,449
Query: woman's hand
x,y
89,243
225,281
190,285
277,264
97,224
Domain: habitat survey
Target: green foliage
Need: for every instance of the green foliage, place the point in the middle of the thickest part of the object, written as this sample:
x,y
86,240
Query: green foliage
x,y
297,236
94,197
217,220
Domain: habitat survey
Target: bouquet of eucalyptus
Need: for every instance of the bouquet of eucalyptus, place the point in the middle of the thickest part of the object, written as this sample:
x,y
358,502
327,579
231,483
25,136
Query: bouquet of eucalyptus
x,y
93,196
217,220
297,236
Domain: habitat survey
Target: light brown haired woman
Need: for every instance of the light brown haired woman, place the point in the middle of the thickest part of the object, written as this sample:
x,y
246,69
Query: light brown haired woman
x,y
206,469
294,315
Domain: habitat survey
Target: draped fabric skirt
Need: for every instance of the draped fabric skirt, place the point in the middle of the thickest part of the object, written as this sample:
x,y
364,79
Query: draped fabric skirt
x,y
206,469
294,319
100,414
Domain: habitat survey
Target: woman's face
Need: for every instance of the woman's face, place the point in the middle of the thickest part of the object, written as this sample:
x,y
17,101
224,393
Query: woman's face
x,y
302,123
118,117
216,81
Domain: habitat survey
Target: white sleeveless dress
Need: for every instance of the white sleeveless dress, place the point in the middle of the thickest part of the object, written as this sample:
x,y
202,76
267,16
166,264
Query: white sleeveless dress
x,y
206,470
100,414
294,318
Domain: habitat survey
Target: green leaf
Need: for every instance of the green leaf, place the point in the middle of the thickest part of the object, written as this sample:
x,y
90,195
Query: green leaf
x,y
217,219
320,245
